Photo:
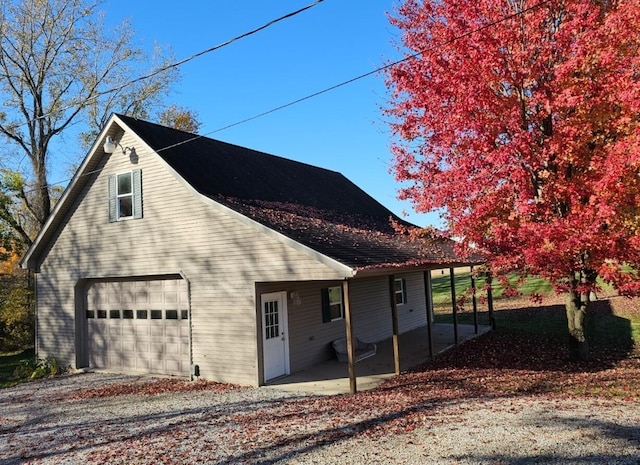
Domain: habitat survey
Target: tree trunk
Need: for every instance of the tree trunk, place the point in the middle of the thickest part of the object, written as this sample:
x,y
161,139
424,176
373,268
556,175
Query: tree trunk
x,y
576,307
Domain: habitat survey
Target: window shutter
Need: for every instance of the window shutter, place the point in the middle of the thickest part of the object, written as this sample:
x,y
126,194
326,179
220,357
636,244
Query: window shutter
x,y
137,193
326,309
404,291
113,208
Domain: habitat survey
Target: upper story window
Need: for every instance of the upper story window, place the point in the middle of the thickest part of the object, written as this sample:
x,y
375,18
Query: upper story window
x,y
125,195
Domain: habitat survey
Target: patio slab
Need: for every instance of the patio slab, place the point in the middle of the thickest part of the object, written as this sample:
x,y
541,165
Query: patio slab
x,y
332,377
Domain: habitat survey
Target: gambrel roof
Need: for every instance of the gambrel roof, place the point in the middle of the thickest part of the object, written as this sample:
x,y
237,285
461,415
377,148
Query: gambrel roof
x,y
316,207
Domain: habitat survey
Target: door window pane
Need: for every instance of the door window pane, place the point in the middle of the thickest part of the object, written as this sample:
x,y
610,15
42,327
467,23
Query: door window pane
x,y
271,324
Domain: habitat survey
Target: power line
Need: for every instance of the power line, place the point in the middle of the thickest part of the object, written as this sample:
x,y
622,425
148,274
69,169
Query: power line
x,y
162,69
209,50
362,76
343,83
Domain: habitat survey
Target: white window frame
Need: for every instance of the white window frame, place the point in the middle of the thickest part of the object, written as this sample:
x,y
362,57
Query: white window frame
x,y
402,292
120,196
115,213
339,302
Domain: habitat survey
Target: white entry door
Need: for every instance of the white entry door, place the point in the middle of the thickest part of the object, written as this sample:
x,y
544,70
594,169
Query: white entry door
x,y
275,337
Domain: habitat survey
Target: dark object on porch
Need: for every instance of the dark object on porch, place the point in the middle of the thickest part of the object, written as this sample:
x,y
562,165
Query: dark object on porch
x,y
362,349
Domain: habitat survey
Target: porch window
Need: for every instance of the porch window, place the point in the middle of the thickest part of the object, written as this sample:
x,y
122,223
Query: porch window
x,y
401,291
332,304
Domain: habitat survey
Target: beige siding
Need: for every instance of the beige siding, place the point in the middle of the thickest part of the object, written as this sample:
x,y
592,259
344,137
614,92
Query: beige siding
x,y
55,335
310,339
371,305
221,257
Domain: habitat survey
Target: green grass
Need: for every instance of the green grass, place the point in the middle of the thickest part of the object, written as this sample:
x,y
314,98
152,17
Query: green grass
x,y
612,323
9,362
441,285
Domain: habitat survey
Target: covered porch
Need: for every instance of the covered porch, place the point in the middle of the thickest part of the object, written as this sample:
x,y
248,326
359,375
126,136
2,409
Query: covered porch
x,y
332,377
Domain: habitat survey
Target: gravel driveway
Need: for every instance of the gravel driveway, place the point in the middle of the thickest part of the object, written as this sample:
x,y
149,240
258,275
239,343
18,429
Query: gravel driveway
x,y
105,418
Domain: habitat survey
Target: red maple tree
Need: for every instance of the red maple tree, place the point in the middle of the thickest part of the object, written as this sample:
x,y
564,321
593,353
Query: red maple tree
x,y
520,121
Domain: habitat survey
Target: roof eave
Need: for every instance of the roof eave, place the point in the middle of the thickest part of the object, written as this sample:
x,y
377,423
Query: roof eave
x,y
399,268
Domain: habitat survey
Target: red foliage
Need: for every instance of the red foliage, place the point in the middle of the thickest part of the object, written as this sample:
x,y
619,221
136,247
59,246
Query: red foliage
x,y
520,120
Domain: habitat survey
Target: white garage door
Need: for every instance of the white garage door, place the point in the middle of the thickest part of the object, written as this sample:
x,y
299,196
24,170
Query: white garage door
x,y
139,326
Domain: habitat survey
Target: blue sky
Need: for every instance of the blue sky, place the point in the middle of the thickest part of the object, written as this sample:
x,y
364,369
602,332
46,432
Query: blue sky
x,y
342,130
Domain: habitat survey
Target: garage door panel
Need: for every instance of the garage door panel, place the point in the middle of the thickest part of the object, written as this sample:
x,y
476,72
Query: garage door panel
x,y
142,347
184,331
172,331
172,365
141,330
129,346
128,330
156,330
115,331
172,349
139,325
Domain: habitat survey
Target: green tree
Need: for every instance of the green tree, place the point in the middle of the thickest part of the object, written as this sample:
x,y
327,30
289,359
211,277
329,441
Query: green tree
x,y
60,65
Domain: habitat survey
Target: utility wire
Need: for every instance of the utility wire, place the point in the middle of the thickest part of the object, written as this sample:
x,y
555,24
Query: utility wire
x,y
341,84
362,76
184,60
209,50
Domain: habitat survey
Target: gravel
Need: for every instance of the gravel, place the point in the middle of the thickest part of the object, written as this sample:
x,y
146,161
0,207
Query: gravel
x,y
56,422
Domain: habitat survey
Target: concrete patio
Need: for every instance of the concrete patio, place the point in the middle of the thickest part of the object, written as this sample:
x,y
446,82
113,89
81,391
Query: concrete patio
x,y
331,377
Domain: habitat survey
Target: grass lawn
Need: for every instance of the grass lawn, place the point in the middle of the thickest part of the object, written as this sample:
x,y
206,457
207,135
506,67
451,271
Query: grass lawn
x,y
9,362
441,286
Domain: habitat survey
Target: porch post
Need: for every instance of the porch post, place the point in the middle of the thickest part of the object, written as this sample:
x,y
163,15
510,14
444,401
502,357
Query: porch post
x,y
474,301
351,359
426,276
453,303
394,319
490,301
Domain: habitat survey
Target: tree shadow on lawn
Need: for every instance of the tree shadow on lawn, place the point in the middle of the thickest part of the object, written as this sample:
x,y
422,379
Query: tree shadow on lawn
x,y
536,338
528,353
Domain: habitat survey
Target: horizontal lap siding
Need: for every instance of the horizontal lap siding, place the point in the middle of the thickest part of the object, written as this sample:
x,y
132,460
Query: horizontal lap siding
x,y
55,336
371,304
220,255
309,338
413,314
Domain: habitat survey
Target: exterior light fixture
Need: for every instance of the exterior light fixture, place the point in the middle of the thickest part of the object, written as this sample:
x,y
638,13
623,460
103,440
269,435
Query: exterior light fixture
x,y
110,145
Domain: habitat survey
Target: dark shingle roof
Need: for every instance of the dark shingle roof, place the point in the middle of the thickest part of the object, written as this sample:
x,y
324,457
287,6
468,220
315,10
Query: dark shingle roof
x,y
316,207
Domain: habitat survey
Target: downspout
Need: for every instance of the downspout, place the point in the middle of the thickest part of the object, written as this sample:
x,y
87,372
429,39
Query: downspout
x,y
35,310
194,370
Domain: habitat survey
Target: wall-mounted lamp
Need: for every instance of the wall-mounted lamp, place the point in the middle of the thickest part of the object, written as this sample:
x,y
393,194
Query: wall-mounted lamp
x,y
110,147
295,298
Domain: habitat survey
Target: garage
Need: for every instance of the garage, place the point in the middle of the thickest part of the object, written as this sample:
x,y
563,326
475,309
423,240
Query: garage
x,y
139,326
